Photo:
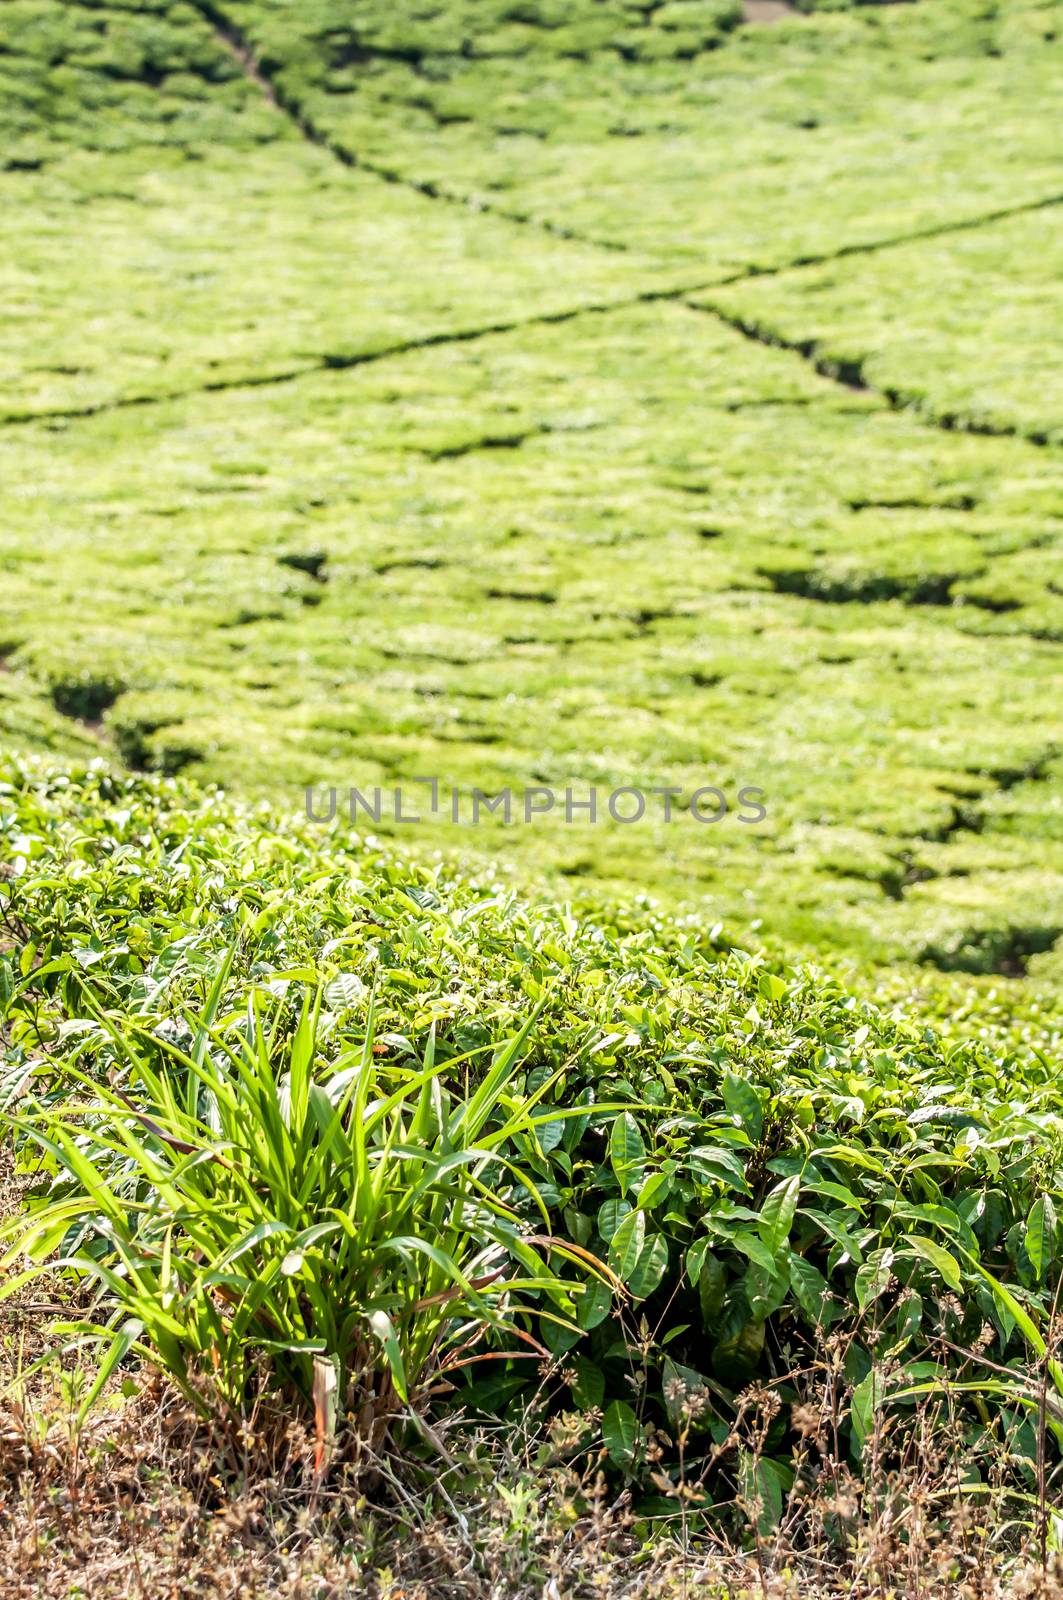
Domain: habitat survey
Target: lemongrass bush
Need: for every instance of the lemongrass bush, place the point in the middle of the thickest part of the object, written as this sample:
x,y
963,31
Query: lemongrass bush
x,y
779,1173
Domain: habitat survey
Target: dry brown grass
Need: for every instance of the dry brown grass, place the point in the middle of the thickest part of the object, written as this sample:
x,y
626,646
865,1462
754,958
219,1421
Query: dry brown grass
x,y
145,1500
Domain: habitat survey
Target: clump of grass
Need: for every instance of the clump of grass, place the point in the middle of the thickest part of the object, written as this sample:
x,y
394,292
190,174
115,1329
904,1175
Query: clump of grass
x,y
344,1231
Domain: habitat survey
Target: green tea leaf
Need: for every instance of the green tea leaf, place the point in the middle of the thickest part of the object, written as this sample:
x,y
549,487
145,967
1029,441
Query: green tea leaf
x,y
588,1391
594,1304
7,983
611,1214
753,1246
1040,1235
938,1257
873,1278
743,1102
762,1484
627,1153
655,1189
621,1433
344,991
627,1244
712,1287
735,1359
864,1402
810,1289
695,1259
771,987
777,1214
650,1267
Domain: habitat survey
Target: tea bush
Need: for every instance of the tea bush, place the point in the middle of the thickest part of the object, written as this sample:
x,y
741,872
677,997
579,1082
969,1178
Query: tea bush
x,y
765,1161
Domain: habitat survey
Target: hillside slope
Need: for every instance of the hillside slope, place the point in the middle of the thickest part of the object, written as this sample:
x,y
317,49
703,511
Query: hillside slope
x,y
448,397
761,1157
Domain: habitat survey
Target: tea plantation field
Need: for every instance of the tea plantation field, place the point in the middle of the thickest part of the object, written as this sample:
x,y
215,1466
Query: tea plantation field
x,y
474,407
601,394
